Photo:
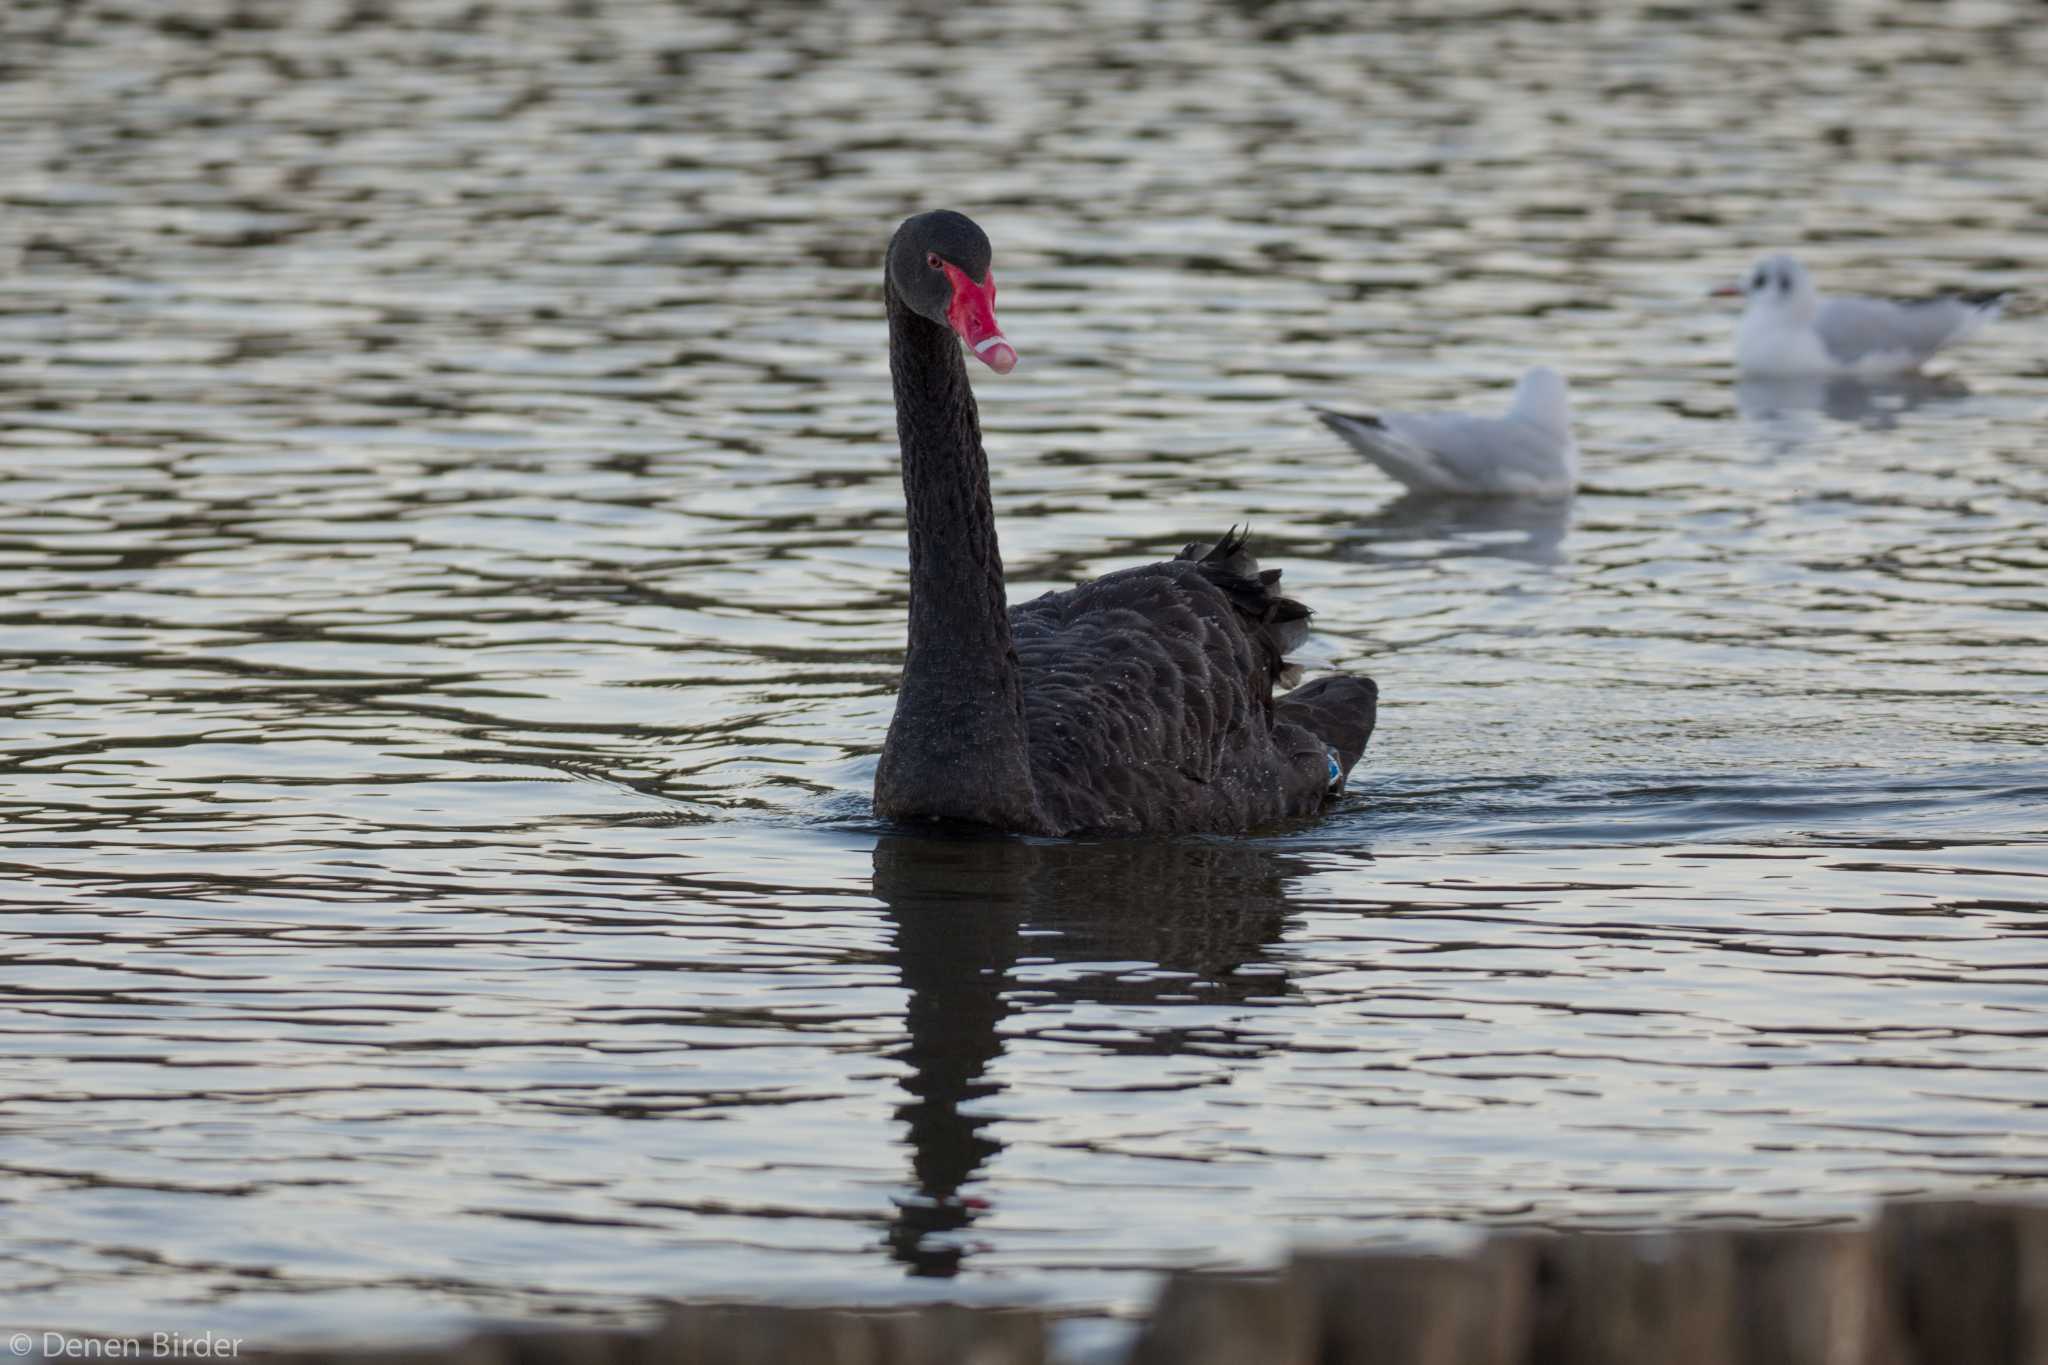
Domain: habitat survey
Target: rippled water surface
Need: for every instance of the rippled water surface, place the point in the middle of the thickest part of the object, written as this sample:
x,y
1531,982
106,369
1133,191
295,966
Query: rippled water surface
x,y
453,577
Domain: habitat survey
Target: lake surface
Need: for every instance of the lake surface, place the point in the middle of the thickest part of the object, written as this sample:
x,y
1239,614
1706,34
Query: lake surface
x,y
453,573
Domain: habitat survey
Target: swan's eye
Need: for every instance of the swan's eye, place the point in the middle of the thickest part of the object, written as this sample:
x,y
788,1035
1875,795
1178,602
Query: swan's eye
x,y
1762,280
931,258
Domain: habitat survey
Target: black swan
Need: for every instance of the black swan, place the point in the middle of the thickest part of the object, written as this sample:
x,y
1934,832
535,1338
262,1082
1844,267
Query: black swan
x,y
1140,702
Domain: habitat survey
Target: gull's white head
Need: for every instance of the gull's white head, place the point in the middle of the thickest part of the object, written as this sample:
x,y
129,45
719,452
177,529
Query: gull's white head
x,y
1779,285
1541,397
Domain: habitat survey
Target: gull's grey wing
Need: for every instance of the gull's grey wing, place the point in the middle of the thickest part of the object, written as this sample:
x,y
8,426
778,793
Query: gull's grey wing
x,y
1859,330
1485,454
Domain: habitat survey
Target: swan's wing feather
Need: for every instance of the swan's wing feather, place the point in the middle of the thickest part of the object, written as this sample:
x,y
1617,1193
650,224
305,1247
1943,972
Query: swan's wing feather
x,y
1277,622
1338,709
1148,697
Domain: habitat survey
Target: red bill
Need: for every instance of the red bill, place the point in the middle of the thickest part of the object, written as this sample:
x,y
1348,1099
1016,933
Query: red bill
x,y
973,315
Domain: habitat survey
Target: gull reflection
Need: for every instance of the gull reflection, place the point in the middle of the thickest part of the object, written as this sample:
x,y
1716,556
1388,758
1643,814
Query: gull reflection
x,y
1873,403
1418,526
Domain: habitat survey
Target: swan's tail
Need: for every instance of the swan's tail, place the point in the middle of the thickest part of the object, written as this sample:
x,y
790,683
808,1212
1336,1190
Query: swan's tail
x,y
1339,710
1279,623
1403,461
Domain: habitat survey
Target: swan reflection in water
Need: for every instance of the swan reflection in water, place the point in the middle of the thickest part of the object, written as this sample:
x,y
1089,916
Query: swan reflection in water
x,y
1874,403
967,910
1417,527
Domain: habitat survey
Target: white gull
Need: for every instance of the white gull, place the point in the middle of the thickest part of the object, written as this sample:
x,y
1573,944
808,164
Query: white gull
x,y
1528,453
1788,327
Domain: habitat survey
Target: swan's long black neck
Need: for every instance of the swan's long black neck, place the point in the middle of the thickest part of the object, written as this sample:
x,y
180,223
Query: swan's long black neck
x,y
956,748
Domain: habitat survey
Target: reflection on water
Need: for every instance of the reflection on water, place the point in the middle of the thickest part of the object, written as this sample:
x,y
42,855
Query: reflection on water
x,y
1420,526
1845,398
1136,924
452,565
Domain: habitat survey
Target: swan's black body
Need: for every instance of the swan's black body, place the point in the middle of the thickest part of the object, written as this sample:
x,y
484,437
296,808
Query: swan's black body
x,y
1141,702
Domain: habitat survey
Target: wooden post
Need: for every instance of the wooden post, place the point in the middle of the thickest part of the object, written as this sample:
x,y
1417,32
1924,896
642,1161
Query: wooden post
x,y
1934,1283
1621,1300
756,1334
472,1350
947,1334
1210,1319
1810,1296
1968,1282
564,1346
1375,1308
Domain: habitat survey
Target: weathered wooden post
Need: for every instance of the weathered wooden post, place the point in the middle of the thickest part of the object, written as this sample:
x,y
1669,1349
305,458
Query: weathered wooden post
x,y
1203,1318
757,1334
760,1334
1376,1308
1619,1300
1750,1297
1968,1282
1809,1296
947,1334
470,1350
561,1346
1934,1283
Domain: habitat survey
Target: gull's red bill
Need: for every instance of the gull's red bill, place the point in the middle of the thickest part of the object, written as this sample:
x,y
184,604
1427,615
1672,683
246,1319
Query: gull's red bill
x,y
973,315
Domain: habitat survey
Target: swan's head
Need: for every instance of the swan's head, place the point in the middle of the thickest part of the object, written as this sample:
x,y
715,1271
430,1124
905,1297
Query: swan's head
x,y
1541,397
939,265
1777,284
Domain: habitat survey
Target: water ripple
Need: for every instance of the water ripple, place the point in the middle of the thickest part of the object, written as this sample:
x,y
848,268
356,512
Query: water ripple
x,y
452,553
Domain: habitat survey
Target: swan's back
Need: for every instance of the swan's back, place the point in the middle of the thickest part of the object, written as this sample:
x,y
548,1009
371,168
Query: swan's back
x,y
1149,699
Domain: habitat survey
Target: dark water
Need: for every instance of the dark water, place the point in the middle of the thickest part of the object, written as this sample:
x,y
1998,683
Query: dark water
x,y
453,587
